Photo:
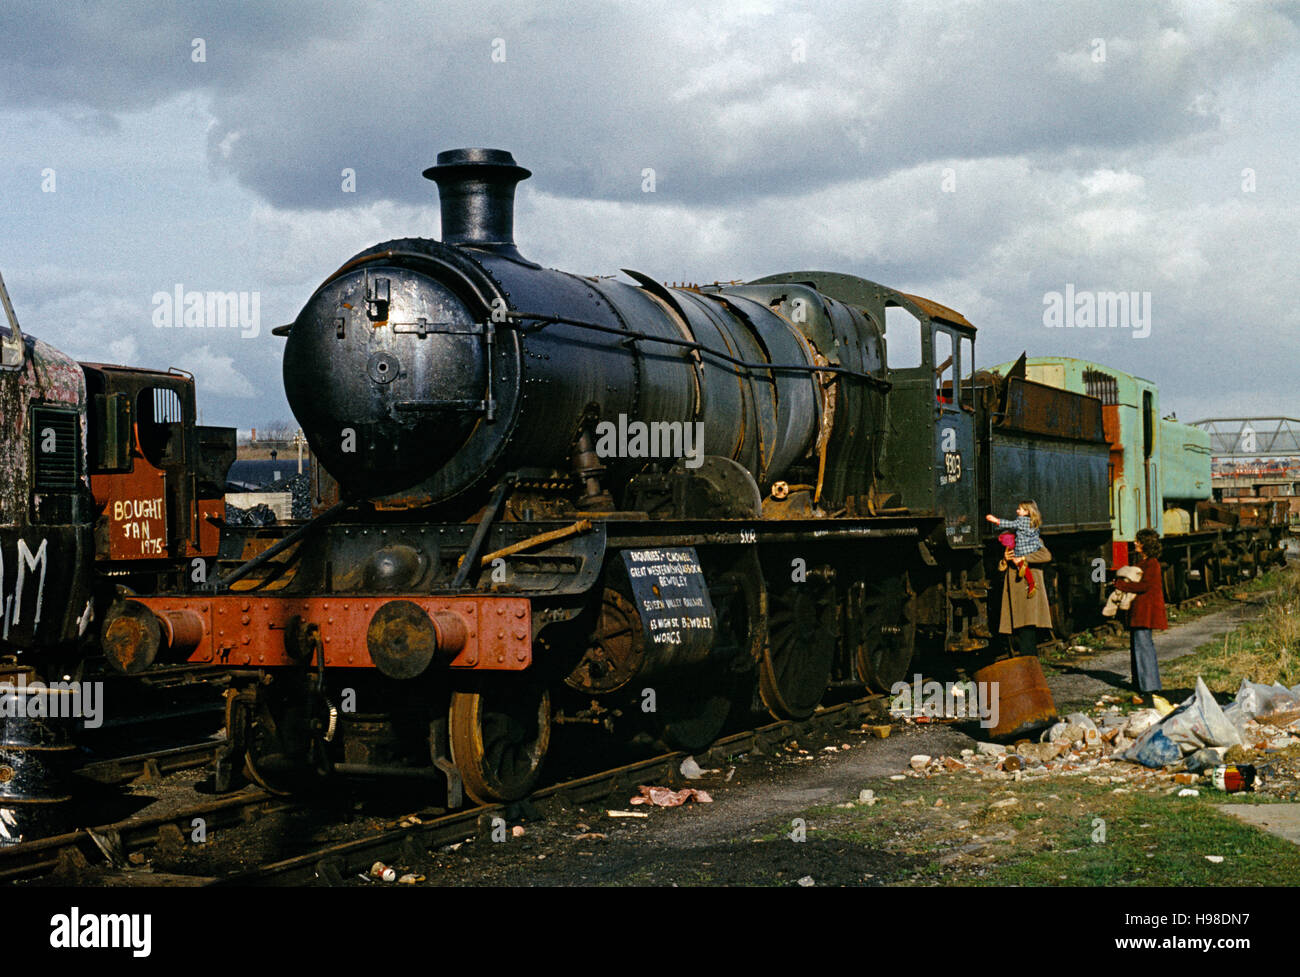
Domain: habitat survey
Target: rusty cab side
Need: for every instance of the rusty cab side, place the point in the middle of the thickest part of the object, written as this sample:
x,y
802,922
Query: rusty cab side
x,y
158,478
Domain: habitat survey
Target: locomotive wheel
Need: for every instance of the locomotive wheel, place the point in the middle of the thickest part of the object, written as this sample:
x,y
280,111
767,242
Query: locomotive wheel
x,y
1177,587
888,640
499,737
279,753
614,651
795,668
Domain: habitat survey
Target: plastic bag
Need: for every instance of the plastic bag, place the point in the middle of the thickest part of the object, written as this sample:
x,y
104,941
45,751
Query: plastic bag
x,y
1194,725
1154,749
1275,704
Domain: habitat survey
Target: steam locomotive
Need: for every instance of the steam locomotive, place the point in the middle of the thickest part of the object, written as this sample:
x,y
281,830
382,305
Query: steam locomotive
x,y
544,498
551,498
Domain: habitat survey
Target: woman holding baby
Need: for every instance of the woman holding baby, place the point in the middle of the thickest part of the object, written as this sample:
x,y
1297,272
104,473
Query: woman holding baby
x,y
1147,611
1024,597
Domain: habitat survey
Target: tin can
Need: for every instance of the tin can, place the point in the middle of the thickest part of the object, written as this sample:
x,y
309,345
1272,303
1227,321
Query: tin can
x,y
1234,777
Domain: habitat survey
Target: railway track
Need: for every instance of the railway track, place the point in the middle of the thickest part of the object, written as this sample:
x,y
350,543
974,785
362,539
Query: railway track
x,y
334,863
151,767
70,855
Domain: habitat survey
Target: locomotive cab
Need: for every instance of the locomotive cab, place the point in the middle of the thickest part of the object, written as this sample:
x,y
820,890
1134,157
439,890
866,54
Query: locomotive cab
x,y
157,477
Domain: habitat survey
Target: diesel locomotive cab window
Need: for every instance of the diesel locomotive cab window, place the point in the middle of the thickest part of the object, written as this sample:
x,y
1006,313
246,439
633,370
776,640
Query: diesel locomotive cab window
x,y
902,338
159,426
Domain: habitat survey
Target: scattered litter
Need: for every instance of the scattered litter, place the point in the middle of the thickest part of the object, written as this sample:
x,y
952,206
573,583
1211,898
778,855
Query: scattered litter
x,y
1162,705
879,732
517,831
1206,759
1005,802
1233,777
1140,721
730,773
411,878
1145,751
627,814
867,797
382,872
806,881
667,797
589,836
691,770
1216,859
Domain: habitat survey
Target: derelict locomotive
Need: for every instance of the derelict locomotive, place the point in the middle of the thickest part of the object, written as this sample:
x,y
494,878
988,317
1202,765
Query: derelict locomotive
x,y
552,499
491,567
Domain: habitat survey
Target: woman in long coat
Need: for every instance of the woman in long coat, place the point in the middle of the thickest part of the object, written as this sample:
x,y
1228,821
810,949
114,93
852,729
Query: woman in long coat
x,y
1022,613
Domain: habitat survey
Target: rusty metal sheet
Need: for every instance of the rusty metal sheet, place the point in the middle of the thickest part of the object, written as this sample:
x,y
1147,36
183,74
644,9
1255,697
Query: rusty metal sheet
x,y
1037,408
936,311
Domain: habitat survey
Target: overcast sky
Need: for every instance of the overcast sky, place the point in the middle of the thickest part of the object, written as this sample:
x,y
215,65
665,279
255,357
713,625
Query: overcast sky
x,y
981,154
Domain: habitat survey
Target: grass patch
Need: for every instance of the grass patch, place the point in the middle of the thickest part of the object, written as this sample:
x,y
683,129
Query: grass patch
x,y
1263,649
1053,834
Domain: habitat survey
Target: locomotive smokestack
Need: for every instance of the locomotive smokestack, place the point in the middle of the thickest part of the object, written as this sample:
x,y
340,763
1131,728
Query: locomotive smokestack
x,y
477,191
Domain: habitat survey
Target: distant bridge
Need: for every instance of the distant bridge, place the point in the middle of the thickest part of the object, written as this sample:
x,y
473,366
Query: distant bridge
x,y
1252,437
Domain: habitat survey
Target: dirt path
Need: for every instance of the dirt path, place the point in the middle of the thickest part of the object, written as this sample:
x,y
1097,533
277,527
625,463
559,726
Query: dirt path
x,y
1081,680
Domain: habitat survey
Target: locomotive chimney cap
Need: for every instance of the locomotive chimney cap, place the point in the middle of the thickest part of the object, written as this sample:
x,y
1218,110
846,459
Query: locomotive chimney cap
x,y
476,189
483,161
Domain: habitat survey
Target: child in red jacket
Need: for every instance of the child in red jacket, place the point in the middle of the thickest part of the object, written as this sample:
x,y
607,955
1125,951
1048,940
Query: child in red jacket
x,y
1146,613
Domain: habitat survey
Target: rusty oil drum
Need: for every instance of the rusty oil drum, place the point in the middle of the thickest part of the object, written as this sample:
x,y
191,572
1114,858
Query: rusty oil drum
x,y
1025,703
35,759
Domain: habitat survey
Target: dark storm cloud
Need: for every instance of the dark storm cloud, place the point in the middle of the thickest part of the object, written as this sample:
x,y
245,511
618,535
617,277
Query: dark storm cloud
x,y
722,105
95,59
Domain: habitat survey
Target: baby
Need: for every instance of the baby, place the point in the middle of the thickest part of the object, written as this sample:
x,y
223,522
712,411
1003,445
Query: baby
x,y
1025,541
1023,572
1118,600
